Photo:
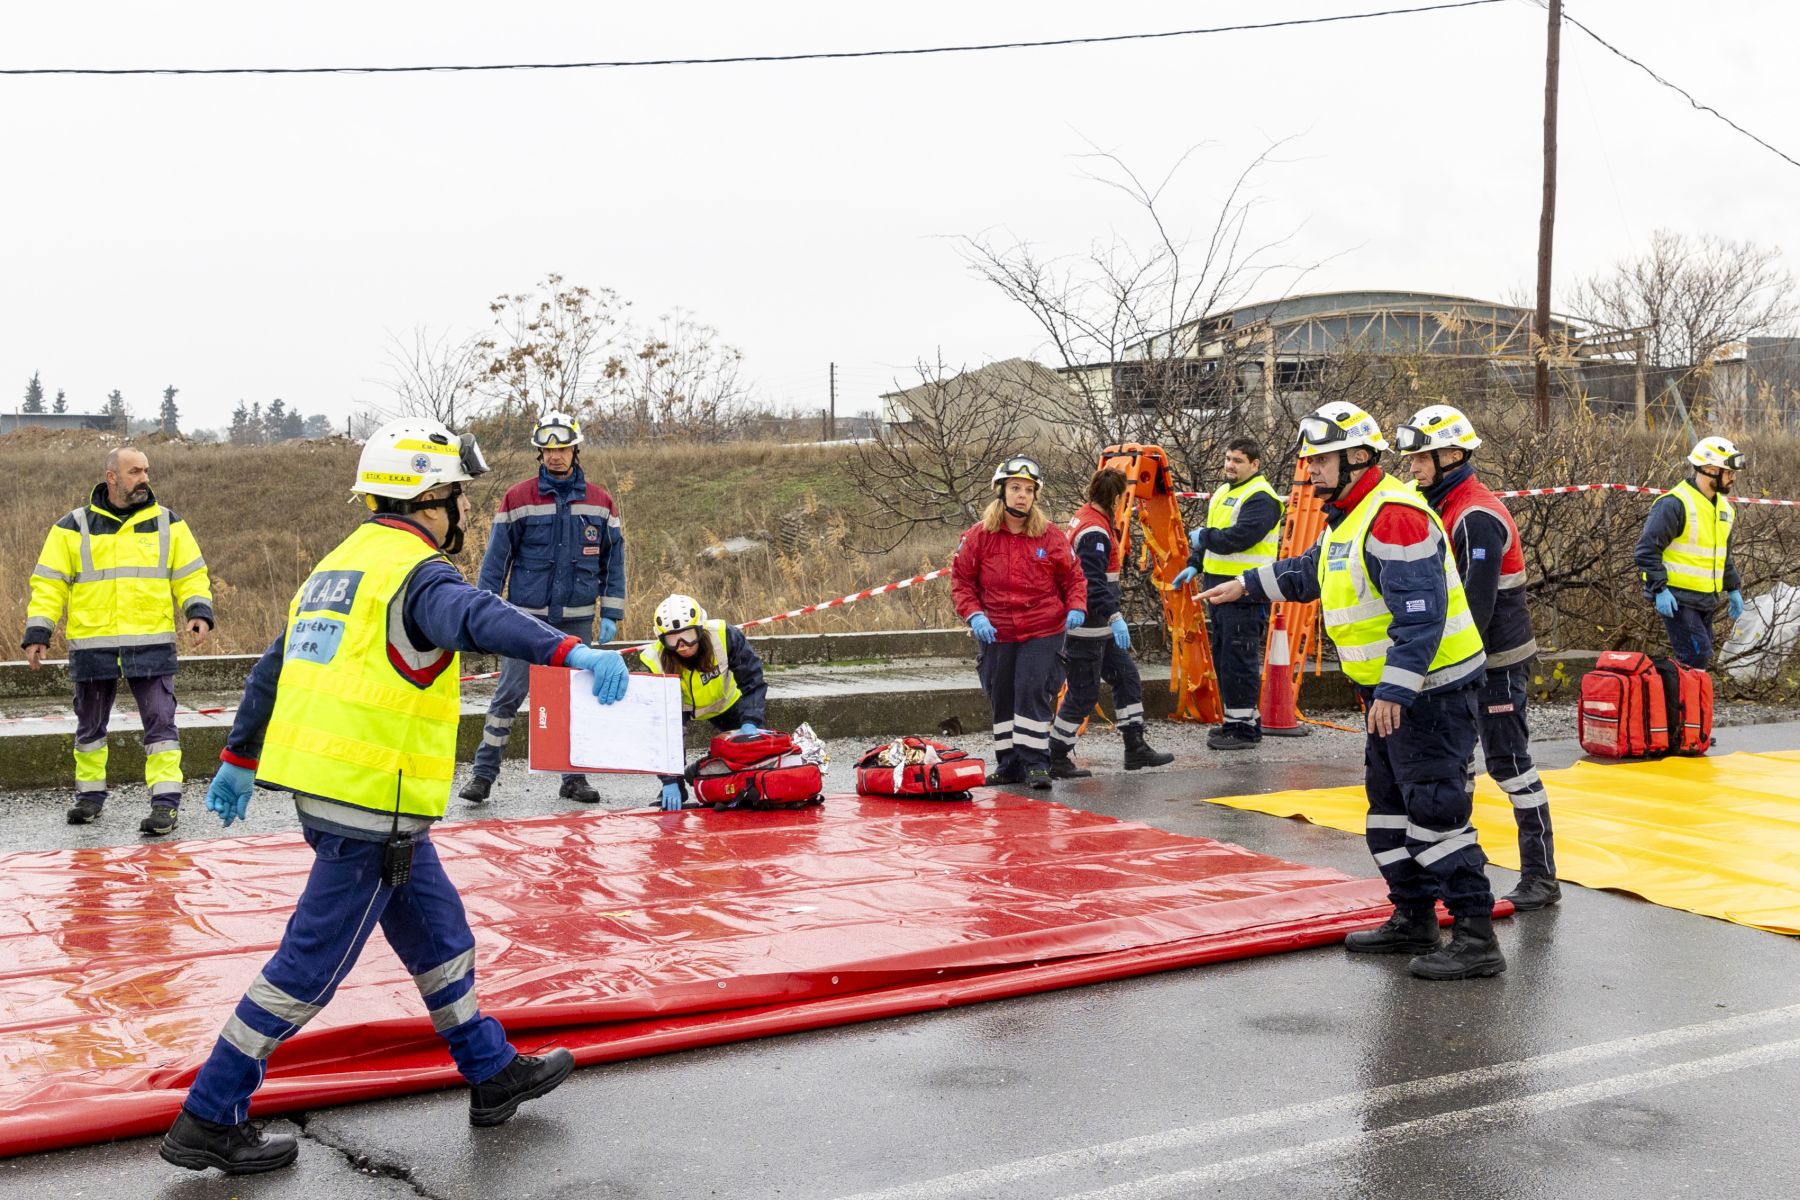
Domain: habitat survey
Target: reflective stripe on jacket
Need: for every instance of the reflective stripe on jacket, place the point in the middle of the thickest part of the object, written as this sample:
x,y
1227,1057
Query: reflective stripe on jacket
x,y
1096,547
557,550
359,717
122,580
1357,616
1502,618
705,694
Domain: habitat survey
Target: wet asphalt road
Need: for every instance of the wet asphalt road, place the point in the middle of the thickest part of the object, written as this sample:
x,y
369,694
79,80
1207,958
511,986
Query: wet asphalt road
x,y
1630,1051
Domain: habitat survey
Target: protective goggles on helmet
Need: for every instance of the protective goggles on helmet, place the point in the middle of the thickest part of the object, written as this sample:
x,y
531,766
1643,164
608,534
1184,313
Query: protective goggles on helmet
x,y
1733,461
1409,440
554,435
474,462
1019,468
1317,431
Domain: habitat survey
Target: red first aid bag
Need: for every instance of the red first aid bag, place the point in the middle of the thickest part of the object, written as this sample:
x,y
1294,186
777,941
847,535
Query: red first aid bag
x,y
1624,708
756,770
932,771
1688,698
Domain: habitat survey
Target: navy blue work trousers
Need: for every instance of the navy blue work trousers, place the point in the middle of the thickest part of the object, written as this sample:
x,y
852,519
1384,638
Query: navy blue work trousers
x,y
1419,805
1090,661
1691,636
344,899
1238,632
1506,747
1021,680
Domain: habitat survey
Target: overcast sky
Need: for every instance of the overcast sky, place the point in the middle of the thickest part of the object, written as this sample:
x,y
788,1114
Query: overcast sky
x,y
253,237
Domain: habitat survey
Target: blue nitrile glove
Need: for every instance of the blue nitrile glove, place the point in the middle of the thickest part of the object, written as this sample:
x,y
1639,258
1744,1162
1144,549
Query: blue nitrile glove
x,y
983,629
1187,573
747,728
1196,537
229,794
671,797
1666,604
608,630
1121,633
1075,620
608,666
1734,604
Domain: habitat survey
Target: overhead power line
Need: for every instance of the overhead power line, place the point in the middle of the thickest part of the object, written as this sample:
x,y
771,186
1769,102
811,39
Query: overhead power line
x,y
745,58
1678,89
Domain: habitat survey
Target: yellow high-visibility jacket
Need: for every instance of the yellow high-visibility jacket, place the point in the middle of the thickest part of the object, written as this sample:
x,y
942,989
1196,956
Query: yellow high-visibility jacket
x,y
122,581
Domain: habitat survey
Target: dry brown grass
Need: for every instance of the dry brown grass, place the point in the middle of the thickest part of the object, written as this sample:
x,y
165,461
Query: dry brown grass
x,y
263,515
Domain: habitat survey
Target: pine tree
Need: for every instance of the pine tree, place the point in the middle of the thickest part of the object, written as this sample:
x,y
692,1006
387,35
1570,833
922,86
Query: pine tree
x,y
116,413
293,425
258,430
170,418
316,425
275,420
62,402
34,395
240,425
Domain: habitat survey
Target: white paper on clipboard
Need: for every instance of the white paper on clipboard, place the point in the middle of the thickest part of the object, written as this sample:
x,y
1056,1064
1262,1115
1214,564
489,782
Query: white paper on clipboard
x,y
640,732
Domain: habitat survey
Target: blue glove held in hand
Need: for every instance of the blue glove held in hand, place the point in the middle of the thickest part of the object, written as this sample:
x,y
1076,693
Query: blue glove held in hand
x,y
1075,620
1666,604
983,629
671,797
748,728
1187,573
608,630
1121,633
1734,603
610,673
229,795
1196,537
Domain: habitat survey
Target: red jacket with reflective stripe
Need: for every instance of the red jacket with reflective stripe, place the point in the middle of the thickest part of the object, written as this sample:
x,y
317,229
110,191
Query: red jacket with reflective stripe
x,y
1025,585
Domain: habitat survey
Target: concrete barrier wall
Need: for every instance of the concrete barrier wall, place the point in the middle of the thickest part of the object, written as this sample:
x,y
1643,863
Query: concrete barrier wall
x,y
35,760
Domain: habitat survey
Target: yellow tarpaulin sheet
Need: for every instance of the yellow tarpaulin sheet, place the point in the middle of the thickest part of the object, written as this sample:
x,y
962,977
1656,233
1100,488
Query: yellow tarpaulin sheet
x,y
1717,836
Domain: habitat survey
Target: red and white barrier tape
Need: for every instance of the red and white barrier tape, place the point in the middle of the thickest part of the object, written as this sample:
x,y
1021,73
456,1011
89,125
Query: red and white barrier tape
x,y
852,598
1578,487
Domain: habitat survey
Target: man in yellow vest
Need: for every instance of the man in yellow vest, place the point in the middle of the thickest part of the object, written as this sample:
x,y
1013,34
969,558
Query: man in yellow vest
x,y
1683,556
354,710
123,565
1242,532
1394,607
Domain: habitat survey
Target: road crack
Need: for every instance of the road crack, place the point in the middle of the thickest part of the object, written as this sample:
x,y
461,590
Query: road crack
x,y
364,1163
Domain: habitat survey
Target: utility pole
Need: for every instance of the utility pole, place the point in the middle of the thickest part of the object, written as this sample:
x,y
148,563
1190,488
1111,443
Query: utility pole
x,y
1547,218
831,419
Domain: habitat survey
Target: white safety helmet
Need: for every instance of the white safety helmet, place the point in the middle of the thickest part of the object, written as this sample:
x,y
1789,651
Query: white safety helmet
x,y
556,429
1338,426
1017,467
1716,452
408,457
678,612
1436,427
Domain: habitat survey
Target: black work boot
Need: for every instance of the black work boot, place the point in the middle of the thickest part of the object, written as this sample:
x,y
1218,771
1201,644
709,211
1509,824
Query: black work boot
x,y
999,778
476,790
1535,891
1472,952
1038,779
580,789
1138,753
1231,737
242,1149
1407,931
526,1077
161,820
1061,767
85,809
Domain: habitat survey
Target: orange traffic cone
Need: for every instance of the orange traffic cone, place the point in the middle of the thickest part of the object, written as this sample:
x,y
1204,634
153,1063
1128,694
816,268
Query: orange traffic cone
x,y
1280,713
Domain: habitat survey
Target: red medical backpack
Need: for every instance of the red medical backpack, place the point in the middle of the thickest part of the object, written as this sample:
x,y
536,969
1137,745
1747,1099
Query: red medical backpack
x,y
1634,706
949,777
756,770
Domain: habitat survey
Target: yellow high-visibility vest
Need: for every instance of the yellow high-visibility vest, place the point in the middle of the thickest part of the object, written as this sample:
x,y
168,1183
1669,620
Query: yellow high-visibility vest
x,y
1695,561
349,725
1357,618
1222,511
705,695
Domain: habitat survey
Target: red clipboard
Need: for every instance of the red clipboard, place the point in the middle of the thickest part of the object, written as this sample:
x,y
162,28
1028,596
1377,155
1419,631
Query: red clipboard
x,y
547,709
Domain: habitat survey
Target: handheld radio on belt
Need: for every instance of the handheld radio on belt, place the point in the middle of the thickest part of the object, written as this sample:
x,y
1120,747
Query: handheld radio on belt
x,y
397,851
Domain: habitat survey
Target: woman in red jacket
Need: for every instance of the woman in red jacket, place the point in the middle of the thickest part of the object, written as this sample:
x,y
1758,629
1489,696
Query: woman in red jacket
x,y
1016,583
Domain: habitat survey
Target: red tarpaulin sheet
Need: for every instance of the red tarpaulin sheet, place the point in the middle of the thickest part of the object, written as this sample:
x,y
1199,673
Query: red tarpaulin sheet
x,y
616,935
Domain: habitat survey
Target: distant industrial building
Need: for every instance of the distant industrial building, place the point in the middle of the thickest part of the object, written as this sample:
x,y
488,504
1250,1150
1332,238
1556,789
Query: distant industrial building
x,y
12,421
